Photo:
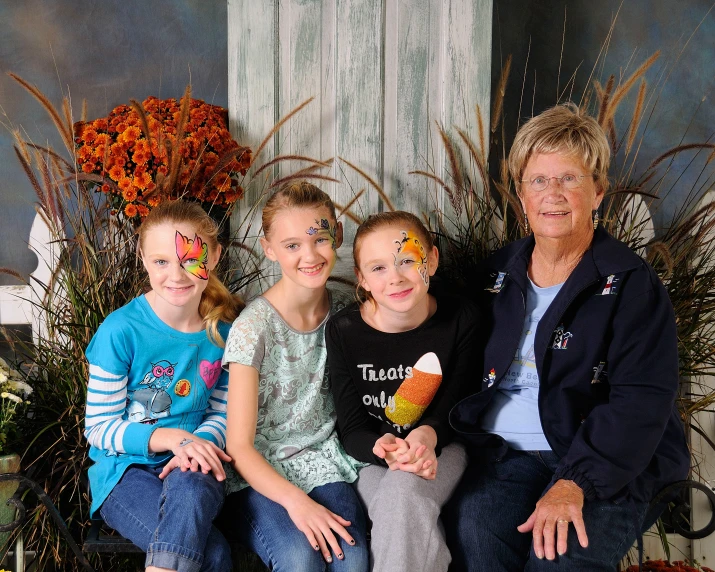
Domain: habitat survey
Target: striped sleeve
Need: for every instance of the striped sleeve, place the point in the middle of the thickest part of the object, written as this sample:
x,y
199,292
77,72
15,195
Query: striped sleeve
x,y
109,361
213,427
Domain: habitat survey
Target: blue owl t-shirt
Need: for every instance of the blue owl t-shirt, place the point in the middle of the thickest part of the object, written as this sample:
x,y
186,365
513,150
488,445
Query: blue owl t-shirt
x,y
143,375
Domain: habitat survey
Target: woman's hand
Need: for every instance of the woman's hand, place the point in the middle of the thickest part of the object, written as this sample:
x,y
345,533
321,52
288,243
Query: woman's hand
x,y
389,447
561,505
319,525
191,453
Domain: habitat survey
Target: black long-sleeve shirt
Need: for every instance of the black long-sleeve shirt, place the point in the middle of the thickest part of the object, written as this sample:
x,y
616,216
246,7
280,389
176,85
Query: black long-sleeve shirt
x,y
393,382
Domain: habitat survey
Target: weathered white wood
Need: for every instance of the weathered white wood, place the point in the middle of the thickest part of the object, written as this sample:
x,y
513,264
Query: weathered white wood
x,y
704,550
382,73
14,305
21,304
253,109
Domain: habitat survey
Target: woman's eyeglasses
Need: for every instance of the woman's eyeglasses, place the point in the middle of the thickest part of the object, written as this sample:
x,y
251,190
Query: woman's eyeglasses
x,y
568,181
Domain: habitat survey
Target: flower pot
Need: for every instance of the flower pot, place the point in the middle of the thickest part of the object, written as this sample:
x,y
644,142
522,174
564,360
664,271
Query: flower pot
x,y
8,464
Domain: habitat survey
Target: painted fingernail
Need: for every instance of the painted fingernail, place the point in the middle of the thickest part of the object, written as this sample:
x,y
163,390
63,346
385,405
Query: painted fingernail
x,y
329,559
352,542
340,556
316,547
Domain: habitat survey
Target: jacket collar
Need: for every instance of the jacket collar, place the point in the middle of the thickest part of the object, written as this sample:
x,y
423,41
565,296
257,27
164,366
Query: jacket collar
x,y
605,256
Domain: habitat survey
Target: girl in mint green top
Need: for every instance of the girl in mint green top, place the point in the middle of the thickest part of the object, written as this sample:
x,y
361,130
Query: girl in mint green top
x,y
290,495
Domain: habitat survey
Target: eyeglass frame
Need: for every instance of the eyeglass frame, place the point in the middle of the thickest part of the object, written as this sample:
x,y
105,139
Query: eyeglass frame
x,y
560,179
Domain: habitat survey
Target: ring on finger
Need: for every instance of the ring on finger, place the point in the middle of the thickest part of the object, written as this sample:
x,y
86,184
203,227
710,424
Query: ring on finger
x,y
562,521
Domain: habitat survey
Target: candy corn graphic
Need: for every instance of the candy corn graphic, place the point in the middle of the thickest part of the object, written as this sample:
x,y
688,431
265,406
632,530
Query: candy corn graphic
x,y
416,392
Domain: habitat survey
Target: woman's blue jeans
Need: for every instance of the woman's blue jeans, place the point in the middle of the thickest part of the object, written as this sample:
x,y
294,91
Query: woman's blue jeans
x,y
494,498
264,527
170,519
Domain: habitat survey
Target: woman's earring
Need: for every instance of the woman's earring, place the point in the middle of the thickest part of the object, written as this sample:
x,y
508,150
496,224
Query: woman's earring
x,y
526,224
595,220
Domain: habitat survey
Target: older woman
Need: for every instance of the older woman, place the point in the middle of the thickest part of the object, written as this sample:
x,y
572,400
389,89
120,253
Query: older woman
x,y
574,430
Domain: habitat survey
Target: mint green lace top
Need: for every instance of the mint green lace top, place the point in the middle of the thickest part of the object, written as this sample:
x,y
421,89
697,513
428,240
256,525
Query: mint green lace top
x,y
295,430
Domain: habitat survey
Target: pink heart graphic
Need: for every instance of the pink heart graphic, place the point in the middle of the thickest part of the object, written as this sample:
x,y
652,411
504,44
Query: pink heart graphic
x,y
210,371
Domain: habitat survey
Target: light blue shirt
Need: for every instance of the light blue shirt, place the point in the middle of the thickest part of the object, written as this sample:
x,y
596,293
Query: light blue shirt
x,y
513,412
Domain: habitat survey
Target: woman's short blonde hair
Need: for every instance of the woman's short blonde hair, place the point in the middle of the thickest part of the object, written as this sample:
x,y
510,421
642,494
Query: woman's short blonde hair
x,y
562,129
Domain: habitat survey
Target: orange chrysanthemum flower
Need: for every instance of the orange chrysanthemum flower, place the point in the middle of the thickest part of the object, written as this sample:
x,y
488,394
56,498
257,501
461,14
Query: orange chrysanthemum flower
x,y
129,194
125,183
143,211
142,180
89,135
130,210
116,173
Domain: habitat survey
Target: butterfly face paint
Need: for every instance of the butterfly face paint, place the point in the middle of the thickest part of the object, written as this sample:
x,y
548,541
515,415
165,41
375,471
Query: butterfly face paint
x,y
325,229
193,255
409,247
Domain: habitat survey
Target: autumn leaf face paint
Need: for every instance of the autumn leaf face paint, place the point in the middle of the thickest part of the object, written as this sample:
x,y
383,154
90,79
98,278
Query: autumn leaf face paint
x,y
323,227
409,247
193,255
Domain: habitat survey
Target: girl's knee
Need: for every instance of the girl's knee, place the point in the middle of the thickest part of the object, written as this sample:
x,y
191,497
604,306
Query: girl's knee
x,y
298,558
194,486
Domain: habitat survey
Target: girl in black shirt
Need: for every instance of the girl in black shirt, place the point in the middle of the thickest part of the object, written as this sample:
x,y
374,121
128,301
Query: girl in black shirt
x,y
398,362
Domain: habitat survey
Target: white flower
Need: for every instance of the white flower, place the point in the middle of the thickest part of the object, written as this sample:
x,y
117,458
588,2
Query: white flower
x,y
10,396
20,386
3,377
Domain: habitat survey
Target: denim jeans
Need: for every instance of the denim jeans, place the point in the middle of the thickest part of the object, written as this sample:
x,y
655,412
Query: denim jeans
x,y
170,519
494,498
264,527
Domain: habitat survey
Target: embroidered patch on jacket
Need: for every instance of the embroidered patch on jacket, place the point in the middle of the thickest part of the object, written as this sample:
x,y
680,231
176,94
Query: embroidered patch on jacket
x,y
599,372
498,284
561,339
491,378
610,287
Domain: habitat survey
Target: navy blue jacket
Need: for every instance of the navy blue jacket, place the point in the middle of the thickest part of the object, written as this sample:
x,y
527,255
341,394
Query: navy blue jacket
x,y
607,359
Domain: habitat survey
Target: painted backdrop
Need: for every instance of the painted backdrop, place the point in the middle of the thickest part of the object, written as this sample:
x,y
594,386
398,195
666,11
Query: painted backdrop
x,y
547,54
106,53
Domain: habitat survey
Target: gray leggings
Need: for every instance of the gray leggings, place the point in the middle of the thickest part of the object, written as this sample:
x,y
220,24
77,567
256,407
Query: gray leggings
x,y
404,509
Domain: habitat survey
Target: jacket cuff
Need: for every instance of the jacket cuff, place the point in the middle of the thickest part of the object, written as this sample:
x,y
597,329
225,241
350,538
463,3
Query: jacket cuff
x,y
571,474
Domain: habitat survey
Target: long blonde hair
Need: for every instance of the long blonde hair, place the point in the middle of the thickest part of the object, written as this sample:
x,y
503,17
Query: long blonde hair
x,y
217,303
